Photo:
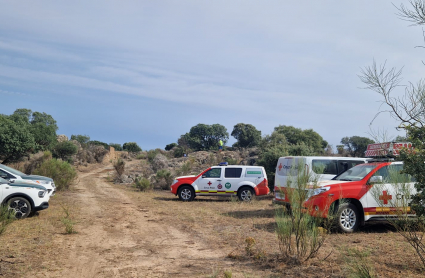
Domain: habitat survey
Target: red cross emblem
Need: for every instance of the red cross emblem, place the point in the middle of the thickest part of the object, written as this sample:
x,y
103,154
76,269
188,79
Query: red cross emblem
x,y
385,197
280,166
209,183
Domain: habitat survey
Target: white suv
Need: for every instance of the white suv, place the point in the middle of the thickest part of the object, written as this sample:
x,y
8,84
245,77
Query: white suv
x,y
243,181
11,174
22,197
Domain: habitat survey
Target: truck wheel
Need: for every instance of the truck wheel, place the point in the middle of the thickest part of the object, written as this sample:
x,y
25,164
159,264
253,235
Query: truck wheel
x,y
20,206
347,218
246,194
186,193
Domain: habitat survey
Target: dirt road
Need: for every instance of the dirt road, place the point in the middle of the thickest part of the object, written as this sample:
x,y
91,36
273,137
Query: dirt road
x,y
117,237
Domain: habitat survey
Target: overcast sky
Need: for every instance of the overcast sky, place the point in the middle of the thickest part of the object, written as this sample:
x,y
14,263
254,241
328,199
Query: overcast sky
x,y
147,71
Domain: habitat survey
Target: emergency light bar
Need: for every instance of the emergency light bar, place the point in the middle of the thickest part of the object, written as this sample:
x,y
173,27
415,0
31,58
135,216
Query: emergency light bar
x,y
223,164
387,149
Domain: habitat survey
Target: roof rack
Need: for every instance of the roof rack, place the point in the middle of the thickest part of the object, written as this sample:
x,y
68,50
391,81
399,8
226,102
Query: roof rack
x,y
386,150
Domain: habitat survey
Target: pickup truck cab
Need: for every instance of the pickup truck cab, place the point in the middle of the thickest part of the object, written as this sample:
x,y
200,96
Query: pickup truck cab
x,y
243,181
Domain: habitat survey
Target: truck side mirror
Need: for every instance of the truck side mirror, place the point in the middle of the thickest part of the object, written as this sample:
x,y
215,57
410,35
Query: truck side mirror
x,y
375,179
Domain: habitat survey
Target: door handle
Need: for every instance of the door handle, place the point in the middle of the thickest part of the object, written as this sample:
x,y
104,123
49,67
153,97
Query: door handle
x,y
218,180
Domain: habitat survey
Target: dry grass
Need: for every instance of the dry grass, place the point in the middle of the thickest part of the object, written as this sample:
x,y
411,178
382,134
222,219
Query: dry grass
x,y
222,223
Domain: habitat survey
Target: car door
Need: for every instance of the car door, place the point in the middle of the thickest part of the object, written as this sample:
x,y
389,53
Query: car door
x,y
394,192
232,179
209,181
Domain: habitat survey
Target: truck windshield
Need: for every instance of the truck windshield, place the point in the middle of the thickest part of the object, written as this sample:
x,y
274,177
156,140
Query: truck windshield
x,y
356,173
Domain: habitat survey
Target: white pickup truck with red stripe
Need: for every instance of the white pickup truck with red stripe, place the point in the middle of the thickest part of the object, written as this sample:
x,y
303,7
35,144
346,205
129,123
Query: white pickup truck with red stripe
x,y
371,191
243,181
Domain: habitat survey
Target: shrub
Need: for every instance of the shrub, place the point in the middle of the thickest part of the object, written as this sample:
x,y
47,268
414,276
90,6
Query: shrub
x,y
142,184
119,166
170,146
6,217
60,171
151,155
98,143
159,162
36,160
64,150
116,146
68,222
131,147
164,179
178,151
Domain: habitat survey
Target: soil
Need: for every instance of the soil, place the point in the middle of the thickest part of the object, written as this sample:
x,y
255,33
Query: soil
x,y
122,232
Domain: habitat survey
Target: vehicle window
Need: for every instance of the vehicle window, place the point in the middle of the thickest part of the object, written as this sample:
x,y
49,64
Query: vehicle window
x,y
322,166
344,165
3,181
392,174
213,173
6,175
232,172
11,170
356,173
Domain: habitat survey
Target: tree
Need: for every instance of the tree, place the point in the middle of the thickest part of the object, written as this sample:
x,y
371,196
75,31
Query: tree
x,y
356,145
170,146
131,147
409,109
309,137
204,137
42,126
247,135
82,139
15,140
64,150
98,143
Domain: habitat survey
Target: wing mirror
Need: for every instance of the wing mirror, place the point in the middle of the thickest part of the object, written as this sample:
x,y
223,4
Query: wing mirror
x,y
375,179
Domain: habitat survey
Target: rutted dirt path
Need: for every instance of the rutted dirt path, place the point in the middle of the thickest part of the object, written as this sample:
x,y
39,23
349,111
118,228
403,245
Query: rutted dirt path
x,y
117,237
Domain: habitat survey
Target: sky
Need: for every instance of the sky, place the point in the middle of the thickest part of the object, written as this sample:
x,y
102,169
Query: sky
x,y
147,71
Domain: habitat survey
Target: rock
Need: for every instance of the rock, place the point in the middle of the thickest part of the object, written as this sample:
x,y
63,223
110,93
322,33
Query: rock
x,y
62,138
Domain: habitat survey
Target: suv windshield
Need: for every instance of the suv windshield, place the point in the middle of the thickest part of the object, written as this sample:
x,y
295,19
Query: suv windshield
x,y
356,173
13,171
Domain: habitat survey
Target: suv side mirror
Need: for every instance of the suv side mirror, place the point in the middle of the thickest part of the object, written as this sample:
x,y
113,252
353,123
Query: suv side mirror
x,y
375,179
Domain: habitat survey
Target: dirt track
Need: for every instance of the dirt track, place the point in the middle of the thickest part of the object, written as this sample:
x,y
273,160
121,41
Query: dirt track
x,y
117,237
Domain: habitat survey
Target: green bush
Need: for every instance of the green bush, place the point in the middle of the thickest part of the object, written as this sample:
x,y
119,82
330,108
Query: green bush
x,y
6,217
142,184
131,147
170,146
151,155
164,179
116,146
60,171
64,150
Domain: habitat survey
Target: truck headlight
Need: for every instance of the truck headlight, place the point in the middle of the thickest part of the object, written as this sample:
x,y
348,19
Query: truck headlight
x,y
317,191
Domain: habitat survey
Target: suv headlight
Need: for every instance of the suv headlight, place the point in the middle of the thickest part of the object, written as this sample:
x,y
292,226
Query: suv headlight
x,y
174,181
43,182
317,191
41,193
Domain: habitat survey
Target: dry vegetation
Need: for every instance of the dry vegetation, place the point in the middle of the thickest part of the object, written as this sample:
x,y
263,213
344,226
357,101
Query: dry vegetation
x,y
209,237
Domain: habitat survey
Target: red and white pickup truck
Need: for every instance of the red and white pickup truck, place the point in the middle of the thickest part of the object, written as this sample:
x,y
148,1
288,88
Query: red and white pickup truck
x,y
363,193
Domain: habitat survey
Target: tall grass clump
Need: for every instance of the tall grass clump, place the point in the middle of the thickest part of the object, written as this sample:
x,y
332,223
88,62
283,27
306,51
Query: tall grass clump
x,y
60,171
164,179
300,235
143,184
357,264
68,221
7,216
119,166
401,188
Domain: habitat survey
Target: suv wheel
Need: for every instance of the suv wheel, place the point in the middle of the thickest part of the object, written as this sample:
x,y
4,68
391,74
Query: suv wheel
x,y
186,193
347,218
246,194
21,207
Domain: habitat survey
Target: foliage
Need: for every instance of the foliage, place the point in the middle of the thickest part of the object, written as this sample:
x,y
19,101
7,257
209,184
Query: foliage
x,y
98,143
204,137
164,179
15,140
170,146
60,171
142,184
41,125
358,264
82,139
68,221
116,146
131,147
7,216
151,155
179,151
64,150
246,135
356,145
296,136
119,166
300,235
